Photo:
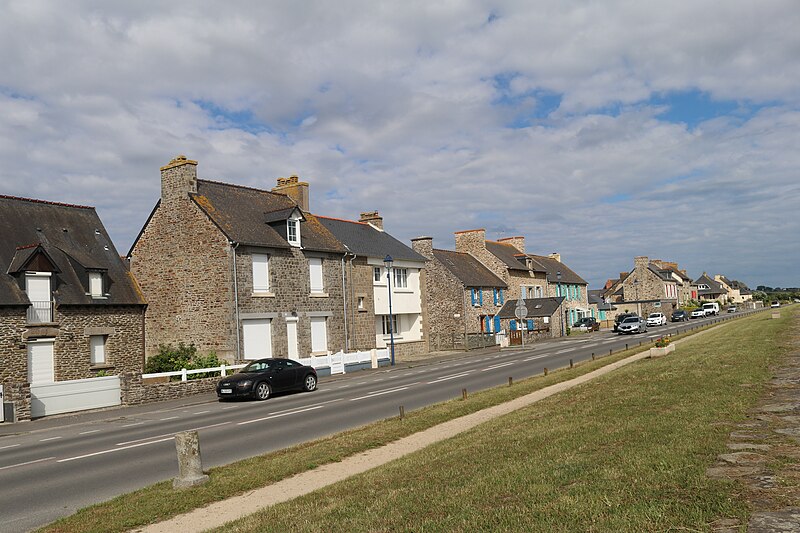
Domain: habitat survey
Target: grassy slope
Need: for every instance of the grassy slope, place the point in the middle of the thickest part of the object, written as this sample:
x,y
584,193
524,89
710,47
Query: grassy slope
x,y
627,452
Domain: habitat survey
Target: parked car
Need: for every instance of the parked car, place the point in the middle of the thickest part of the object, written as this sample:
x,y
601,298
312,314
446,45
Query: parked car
x,y
732,309
698,313
656,319
679,315
632,324
587,322
619,318
263,377
711,308
776,303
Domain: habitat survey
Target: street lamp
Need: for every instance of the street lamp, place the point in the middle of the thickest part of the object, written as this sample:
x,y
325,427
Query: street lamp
x,y
638,305
561,318
388,261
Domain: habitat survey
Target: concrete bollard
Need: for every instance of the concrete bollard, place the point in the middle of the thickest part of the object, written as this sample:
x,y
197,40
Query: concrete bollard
x,y
592,356
570,363
402,412
545,371
510,381
190,465
463,394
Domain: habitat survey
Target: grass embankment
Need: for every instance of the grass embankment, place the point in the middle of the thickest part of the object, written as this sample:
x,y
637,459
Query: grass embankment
x,y
413,500
627,452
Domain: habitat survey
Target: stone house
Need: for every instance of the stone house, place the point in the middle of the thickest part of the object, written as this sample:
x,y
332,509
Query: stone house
x,y
69,308
242,272
710,289
540,317
683,281
738,292
367,292
462,296
646,289
601,309
528,275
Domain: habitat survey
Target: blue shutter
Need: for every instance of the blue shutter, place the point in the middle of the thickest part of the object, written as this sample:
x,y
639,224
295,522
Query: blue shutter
x,y
496,323
502,299
488,323
472,295
602,315
530,324
480,295
513,325
579,292
494,293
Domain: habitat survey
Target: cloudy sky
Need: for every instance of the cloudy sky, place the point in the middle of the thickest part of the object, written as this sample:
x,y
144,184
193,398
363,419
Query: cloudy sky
x,y
599,129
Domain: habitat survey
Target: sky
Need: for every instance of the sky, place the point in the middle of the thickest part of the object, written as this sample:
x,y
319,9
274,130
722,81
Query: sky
x,y
601,130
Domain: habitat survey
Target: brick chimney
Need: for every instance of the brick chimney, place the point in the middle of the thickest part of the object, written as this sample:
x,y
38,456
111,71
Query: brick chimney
x,y
555,255
295,189
473,240
178,179
372,218
516,242
423,246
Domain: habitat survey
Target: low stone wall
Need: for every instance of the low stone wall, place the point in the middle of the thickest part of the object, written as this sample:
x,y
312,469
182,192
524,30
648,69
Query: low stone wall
x,y
409,348
135,392
20,395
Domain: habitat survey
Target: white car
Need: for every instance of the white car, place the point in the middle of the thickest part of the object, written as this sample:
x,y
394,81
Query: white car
x,y
656,319
698,313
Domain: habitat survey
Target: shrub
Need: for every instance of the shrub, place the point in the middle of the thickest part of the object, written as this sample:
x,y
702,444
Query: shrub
x,y
662,342
170,359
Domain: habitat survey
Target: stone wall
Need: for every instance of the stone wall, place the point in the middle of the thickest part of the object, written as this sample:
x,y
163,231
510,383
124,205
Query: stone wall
x,y
135,392
443,297
648,292
361,322
14,361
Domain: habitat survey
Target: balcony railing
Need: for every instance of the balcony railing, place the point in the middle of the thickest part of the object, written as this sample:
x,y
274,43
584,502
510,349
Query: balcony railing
x,y
40,312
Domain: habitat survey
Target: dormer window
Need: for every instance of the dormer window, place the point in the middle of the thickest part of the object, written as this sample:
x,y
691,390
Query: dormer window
x,y
96,284
293,230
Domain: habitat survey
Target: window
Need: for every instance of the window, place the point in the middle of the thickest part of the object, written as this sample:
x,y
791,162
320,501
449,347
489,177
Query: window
x,y
360,303
377,274
96,284
260,273
538,292
97,349
319,334
37,287
257,335
293,231
315,273
400,278
385,324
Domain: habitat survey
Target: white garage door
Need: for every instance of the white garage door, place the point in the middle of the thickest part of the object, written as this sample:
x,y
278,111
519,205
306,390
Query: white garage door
x,y
257,338
40,361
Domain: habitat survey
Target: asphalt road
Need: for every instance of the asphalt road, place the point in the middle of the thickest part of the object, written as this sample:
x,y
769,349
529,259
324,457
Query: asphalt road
x,y
50,469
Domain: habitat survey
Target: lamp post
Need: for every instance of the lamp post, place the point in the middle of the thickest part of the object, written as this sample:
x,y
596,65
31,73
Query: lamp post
x,y
388,261
638,304
561,318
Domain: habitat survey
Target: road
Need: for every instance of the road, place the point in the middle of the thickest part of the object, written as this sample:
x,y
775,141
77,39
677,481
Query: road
x,y
51,472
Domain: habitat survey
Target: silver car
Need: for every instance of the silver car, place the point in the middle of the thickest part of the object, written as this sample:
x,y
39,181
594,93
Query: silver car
x,y
632,324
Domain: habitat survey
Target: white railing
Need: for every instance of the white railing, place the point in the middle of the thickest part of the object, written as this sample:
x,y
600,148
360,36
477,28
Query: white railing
x,y
336,362
40,312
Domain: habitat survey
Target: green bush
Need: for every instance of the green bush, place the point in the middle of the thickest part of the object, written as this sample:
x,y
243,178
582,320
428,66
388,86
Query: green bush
x,y
170,359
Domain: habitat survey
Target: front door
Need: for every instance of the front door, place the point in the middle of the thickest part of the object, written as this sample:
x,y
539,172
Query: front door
x,y
40,362
291,335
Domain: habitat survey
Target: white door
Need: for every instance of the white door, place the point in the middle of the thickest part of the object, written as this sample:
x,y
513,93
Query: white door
x,y
291,335
40,362
319,334
257,338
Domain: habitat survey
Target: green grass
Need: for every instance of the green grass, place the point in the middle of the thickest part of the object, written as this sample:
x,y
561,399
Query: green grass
x,y
626,452
160,501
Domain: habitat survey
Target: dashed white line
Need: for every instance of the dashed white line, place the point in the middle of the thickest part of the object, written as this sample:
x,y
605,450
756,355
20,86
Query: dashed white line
x,y
564,350
112,450
131,425
501,365
89,432
170,435
201,412
49,438
9,446
26,463
378,393
293,412
168,418
454,376
536,357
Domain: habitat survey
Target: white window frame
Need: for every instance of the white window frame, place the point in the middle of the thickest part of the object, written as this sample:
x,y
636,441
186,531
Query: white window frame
x,y
97,349
377,275
360,306
400,278
293,230
260,273
317,283
96,284
385,324
319,334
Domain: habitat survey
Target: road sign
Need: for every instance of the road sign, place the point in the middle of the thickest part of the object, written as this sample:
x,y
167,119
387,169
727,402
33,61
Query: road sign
x,y
520,311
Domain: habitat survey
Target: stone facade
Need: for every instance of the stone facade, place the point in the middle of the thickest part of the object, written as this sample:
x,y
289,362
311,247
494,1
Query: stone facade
x,y
134,392
644,291
360,305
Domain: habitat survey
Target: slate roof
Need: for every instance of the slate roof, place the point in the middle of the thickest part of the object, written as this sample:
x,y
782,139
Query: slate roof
x,y
596,297
509,255
256,217
364,240
552,267
71,237
537,307
468,270
715,287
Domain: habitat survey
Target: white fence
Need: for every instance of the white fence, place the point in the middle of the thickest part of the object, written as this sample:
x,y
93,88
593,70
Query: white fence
x,y
335,362
74,395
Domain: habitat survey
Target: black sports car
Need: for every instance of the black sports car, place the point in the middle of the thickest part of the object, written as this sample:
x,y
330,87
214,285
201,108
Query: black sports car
x,y
261,378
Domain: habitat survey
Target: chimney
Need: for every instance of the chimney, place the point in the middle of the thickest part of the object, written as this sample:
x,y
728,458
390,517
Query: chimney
x,y
373,219
423,246
473,240
516,242
295,189
178,179
640,261
555,255
623,275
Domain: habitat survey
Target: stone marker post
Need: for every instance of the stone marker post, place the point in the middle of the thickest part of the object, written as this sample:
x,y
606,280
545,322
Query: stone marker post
x,y
190,466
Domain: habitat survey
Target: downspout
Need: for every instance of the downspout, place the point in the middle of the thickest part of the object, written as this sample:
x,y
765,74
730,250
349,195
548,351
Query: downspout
x,y
353,295
344,301
234,246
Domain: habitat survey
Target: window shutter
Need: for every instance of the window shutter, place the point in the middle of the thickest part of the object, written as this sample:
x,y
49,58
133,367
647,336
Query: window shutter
x,y
472,296
97,344
260,273
496,323
319,334
95,284
494,293
513,324
502,300
480,295
315,272
530,324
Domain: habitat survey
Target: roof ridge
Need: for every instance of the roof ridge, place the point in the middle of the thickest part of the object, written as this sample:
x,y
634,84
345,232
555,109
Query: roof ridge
x,y
343,220
26,246
34,200
236,185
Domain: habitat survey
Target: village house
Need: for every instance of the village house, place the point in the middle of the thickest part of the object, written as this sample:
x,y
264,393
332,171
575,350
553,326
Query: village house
x,y
463,298
367,291
709,289
242,272
69,309
648,288
738,292
686,289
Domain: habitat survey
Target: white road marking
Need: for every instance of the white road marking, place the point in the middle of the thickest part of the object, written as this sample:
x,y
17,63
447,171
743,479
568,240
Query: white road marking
x,y
565,350
201,412
461,375
536,357
501,365
49,438
170,435
9,446
168,418
378,393
26,463
112,450
279,415
131,425
88,432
